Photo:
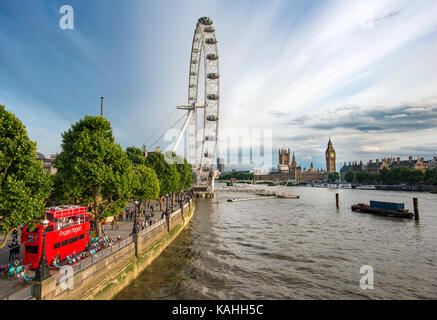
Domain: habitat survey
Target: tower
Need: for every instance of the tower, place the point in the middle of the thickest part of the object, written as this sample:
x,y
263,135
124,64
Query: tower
x,y
284,160
330,157
284,157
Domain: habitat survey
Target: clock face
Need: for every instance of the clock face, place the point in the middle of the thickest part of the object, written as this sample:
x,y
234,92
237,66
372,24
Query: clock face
x,y
332,155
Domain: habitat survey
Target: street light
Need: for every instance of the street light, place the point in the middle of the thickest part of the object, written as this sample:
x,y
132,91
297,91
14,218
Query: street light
x,y
134,230
43,271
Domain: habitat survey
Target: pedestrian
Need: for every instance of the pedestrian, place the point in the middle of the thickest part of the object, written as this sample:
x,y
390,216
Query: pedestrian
x,y
112,224
11,252
14,235
116,225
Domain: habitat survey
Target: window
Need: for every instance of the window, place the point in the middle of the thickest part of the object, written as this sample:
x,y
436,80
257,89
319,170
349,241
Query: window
x,y
33,230
49,229
64,243
57,245
86,219
31,249
72,240
81,236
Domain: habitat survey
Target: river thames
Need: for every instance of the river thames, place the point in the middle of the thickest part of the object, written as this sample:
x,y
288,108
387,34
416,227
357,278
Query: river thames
x,y
297,249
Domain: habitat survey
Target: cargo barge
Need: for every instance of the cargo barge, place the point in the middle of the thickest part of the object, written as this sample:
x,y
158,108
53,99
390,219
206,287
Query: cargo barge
x,y
390,209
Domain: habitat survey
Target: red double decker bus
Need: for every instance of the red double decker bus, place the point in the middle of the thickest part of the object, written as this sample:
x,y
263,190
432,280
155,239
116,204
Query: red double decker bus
x,y
67,233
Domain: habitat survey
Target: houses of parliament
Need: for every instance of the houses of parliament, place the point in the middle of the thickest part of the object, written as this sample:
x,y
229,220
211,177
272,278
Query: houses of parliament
x,y
291,170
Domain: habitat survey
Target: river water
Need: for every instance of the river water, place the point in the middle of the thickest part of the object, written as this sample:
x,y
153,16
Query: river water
x,y
297,249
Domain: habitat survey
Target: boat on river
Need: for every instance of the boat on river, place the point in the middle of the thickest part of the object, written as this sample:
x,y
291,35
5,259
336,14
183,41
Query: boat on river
x,y
390,209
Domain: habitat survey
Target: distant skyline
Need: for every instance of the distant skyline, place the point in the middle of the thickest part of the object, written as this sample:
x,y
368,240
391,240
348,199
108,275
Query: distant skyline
x,y
362,72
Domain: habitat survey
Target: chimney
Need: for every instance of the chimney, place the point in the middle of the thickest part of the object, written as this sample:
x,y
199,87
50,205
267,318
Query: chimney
x,y
145,150
422,159
370,161
398,159
158,149
377,160
410,158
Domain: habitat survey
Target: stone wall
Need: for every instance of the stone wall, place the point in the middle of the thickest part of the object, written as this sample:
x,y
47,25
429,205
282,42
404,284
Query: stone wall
x,y
105,278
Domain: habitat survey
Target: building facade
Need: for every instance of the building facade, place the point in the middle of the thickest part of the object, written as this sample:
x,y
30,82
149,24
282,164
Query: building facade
x,y
432,164
291,170
374,167
221,165
48,163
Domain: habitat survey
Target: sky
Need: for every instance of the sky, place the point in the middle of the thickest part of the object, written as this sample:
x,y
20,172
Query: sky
x,y
361,72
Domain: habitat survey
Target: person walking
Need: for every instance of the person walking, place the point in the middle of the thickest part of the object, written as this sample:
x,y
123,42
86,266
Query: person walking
x,y
11,252
14,235
112,224
116,225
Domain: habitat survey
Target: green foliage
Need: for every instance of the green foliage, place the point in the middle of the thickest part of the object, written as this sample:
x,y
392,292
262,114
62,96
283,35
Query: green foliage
x,y
136,155
186,175
431,176
361,176
24,186
238,175
167,173
92,168
145,184
333,177
349,176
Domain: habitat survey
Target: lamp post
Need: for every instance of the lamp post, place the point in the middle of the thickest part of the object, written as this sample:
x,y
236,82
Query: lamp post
x,y
134,230
43,271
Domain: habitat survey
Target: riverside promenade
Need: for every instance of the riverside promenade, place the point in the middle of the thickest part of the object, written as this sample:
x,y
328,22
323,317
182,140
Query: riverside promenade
x,y
12,289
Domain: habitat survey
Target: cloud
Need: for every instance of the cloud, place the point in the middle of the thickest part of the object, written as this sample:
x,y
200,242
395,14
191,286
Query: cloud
x,y
399,119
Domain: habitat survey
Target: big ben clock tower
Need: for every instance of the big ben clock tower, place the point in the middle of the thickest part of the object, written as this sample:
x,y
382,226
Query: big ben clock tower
x,y
330,157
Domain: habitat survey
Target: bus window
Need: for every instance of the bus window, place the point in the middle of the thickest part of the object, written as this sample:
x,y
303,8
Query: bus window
x,y
57,245
49,229
64,243
31,249
32,230
72,240
86,219
81,236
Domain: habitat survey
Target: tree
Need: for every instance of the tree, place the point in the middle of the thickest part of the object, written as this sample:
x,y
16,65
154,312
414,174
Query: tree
x,y
24,186
136,155
93,169
431,176
362,176
385,176
145,185
167,174
349,176
333,177
186,175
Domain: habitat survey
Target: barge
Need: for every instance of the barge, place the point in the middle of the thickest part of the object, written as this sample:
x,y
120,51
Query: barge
x,y
390,209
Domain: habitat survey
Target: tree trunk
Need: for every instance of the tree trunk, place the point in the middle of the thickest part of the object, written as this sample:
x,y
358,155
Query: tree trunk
x,y
5,240
161,206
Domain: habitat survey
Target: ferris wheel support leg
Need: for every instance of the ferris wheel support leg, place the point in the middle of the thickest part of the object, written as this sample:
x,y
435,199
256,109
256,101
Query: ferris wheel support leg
x,y
182,131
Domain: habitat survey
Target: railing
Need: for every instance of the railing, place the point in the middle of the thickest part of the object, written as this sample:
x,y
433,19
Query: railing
x,y
84,263
22,294
152,227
